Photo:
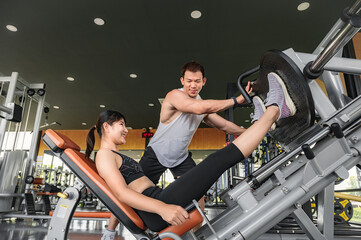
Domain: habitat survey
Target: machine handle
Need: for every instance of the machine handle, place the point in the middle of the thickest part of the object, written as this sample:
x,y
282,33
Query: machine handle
x,y
190,207
239,83
169,235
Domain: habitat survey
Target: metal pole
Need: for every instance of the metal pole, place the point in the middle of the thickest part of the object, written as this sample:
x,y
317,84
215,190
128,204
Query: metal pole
x,y
22,104
26,122
344,35
9,99
338,42
35,138
355,8
5,109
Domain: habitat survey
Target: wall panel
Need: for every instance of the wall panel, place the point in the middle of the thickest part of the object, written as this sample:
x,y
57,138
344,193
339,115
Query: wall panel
x,y
204,138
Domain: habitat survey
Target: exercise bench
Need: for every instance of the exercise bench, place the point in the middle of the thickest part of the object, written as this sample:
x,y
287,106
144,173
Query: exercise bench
x,y
85,169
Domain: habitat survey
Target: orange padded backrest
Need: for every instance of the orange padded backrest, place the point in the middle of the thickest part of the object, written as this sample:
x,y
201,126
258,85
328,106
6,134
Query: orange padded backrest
x,y
61,141
88,167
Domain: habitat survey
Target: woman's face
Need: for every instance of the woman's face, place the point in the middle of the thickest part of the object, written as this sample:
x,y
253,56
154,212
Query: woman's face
x,y
118,132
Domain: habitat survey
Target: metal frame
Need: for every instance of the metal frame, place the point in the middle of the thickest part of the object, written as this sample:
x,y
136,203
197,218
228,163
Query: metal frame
x,y
281,187
62,216
288,187
16,87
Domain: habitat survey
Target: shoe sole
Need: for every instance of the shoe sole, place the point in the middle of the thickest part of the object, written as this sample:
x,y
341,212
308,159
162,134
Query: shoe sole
x,y
273,127
261,103
288,99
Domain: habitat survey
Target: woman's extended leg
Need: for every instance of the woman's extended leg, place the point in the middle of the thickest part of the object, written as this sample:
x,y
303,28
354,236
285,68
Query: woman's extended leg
x,y
194,183
251,138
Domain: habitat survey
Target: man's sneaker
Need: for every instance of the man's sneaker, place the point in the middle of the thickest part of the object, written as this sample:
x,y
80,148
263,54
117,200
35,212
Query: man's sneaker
x,y
259,109
108,235
278,95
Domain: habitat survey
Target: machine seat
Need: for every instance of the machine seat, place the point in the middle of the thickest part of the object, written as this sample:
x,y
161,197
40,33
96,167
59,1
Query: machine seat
x,y
85,169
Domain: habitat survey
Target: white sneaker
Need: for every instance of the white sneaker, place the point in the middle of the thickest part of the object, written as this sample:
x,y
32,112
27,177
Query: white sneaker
x,y
108,235
279,96
259,109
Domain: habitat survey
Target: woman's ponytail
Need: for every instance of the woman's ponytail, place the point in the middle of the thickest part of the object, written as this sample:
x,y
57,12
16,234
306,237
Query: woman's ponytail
x,y
90,141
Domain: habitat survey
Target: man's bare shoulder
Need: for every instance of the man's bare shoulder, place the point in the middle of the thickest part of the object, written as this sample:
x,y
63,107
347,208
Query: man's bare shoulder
x,y
169,99
169,110
175,94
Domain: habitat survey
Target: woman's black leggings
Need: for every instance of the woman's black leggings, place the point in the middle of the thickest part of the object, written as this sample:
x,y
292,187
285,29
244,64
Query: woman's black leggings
x,y
192,185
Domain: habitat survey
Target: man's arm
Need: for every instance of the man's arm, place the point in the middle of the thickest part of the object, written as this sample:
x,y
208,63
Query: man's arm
x,y
183,103
179,101
214,120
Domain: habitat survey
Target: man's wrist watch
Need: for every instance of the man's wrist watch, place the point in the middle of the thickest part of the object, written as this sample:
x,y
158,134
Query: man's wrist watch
x,y
235,102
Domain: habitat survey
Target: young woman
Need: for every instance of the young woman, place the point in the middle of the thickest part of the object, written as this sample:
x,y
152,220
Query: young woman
x,y
160,207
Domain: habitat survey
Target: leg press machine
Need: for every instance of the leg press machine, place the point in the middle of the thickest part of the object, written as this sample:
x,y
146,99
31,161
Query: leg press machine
x,y
317,154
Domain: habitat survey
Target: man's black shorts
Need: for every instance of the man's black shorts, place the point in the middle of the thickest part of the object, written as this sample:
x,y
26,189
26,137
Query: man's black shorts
x,y
153,169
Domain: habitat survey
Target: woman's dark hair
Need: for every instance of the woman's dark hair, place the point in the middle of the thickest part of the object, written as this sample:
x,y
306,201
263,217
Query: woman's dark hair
x,y
108,116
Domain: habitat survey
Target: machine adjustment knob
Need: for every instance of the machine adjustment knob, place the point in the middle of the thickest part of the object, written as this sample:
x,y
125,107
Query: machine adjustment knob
x,y
64,195
29,179
336,129
308,151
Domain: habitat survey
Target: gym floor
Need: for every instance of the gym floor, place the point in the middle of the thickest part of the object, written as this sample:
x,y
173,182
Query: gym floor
x,y
34,229
29,229
82,229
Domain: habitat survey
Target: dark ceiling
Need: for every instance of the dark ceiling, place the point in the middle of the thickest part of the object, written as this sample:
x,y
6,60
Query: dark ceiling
x,y
153,39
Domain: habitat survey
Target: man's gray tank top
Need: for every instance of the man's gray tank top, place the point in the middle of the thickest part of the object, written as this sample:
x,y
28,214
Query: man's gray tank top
x,y
170,142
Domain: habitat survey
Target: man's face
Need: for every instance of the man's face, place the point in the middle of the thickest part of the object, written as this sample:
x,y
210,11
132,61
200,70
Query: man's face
x,y
192,83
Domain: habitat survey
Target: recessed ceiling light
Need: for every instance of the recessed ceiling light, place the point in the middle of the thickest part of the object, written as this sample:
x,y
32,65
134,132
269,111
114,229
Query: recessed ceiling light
x,y
160,100
12,28
102,106
151,104
196,14
129,128
247,120
150,127
303,6
70,79
56,107
99,21
83,124
132,75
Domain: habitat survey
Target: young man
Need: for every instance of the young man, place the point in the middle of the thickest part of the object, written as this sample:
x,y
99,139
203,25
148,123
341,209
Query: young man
x,y
181,113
